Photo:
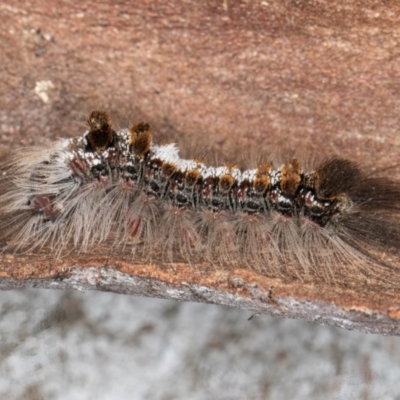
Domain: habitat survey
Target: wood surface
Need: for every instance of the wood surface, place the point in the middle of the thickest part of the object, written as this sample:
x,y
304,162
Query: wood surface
x,y
316,76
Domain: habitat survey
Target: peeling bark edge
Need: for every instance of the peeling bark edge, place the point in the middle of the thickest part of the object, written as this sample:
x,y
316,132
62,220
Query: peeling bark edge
x,y
258,300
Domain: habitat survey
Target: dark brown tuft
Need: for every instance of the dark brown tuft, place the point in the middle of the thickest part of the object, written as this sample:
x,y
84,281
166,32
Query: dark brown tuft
x,y
337,176
101,134
374,206
141,139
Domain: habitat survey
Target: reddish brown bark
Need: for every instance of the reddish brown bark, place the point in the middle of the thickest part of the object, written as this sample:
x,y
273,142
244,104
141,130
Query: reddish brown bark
x,y
323,77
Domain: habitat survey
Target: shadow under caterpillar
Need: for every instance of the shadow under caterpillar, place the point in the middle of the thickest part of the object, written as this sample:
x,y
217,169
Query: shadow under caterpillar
x,y
120,188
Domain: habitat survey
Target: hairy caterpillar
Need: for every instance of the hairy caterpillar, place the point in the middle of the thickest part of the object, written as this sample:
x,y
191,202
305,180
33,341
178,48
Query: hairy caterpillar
x,y
120,188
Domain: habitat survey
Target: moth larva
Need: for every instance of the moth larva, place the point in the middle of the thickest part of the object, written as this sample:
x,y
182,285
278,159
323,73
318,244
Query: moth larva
x,y
120,188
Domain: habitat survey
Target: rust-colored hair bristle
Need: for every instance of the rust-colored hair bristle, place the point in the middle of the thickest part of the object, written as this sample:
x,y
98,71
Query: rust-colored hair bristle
x,y
141,138
168,169
230,165
264,169
263,180
192,177
290,176
198,160
225,183
101,134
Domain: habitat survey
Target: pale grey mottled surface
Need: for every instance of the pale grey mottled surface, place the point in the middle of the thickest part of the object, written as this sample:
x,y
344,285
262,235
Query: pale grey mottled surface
x,y
93,345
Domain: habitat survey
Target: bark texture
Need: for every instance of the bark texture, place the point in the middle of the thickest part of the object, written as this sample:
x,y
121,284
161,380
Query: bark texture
x,y
322,77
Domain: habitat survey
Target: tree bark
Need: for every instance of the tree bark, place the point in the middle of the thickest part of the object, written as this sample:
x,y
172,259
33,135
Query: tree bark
x,y
313,76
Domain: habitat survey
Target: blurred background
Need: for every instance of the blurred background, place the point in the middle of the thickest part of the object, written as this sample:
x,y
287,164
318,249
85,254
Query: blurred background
x,y
94,345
